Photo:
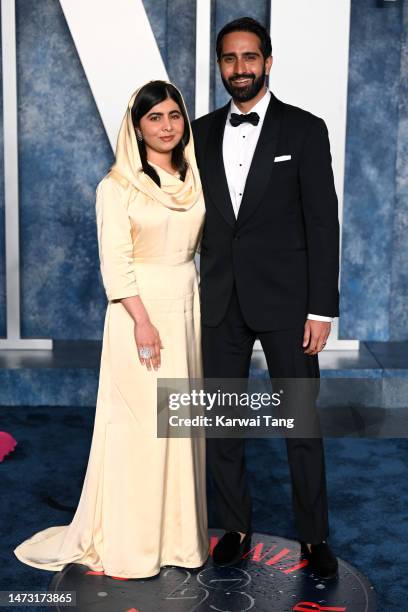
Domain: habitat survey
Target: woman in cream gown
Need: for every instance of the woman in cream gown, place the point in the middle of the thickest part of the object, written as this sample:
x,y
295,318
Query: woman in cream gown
x,y
143,501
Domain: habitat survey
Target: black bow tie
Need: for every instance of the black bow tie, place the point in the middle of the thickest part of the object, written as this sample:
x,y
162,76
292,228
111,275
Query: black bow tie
x,y
236,119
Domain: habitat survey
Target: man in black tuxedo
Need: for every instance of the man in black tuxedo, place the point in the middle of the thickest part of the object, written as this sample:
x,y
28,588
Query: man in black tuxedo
x,y
269,270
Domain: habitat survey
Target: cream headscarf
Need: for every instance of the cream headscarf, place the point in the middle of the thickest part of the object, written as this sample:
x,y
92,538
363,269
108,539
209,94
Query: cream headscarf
x,y
177,194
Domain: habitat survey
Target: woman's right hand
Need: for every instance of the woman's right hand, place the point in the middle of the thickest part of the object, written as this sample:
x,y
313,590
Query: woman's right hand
x,y
147,336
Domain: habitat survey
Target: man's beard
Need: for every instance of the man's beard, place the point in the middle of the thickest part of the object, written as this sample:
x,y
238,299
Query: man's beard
x,y
244,94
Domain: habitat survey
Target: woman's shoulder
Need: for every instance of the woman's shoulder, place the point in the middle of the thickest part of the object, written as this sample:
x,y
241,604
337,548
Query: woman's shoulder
x,y
113,183
113,191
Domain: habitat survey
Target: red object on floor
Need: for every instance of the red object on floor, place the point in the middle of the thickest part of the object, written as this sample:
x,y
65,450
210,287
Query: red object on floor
x,y
7,444
91,573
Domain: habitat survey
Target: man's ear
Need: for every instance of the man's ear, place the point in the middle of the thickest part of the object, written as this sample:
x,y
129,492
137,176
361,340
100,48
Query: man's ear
x,y
268,64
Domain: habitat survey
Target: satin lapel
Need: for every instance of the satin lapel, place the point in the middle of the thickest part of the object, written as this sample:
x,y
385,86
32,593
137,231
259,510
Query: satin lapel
x,y
262,162
215,170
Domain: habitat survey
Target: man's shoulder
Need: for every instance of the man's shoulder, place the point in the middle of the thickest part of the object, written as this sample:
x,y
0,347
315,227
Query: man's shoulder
x,y
296,116
202,123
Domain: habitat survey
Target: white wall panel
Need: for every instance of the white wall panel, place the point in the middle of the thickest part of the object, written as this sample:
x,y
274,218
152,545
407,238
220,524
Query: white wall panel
x,y
118,51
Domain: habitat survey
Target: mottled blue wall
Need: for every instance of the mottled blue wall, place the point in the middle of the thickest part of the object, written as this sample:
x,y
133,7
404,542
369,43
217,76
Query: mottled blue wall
x,y
398,310
2,245
174,26
369,297
64,152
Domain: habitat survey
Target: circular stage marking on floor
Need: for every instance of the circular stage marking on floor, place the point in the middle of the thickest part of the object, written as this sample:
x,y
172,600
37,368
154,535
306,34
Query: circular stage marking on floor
x,y
273,577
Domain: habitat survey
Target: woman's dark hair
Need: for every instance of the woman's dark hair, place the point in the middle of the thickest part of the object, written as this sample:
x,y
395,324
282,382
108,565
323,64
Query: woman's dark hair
x,y
246,24
151,94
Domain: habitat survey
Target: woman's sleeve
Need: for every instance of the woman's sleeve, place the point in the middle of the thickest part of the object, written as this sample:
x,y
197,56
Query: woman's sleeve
x,y
115,241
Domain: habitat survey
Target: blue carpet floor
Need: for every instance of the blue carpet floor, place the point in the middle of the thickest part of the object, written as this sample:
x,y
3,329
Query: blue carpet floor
x,y
367,482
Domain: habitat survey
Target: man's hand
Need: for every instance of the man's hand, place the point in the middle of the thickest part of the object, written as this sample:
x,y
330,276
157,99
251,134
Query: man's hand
x,y
315,336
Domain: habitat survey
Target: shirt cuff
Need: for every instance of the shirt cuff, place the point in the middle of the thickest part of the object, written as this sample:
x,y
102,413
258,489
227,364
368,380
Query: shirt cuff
x,y
314,317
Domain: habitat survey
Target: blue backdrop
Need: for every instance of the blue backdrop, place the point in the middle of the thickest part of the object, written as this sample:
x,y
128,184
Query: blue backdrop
x,y
64,152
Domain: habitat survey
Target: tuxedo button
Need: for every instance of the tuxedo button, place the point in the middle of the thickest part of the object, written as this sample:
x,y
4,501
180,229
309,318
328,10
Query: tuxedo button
x,y
236,236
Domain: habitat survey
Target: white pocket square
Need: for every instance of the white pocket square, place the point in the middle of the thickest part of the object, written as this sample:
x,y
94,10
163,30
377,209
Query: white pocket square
x,y
282,158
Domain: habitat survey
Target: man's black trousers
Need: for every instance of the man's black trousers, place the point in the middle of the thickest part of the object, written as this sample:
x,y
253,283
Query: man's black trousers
x,y
227,350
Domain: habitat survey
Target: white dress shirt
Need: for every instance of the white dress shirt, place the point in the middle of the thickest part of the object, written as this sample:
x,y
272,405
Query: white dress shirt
x,y
238,149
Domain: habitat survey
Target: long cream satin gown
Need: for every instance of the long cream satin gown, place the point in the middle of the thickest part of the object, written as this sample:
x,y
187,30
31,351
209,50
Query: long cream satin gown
x,y
143,502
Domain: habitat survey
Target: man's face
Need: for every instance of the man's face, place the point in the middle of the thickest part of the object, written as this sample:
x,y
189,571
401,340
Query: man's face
x,y
242,65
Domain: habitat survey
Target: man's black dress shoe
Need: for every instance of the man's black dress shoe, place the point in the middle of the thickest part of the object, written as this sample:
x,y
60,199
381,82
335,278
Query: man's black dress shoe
x,y
321,559
230,550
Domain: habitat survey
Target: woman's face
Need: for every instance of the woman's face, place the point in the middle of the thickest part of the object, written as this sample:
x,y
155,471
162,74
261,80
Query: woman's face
x,y
162,127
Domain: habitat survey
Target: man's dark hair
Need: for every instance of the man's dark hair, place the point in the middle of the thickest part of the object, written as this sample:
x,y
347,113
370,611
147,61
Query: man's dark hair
x,y
246,24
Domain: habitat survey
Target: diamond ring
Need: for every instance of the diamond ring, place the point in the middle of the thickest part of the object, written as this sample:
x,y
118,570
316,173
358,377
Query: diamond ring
x,y
145,352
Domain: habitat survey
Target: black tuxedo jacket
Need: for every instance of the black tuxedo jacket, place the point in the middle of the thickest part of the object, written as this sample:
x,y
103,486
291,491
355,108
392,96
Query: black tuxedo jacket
x,y
282,251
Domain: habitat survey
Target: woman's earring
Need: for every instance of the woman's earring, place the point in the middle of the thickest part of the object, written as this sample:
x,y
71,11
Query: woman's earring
x,y
139,135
